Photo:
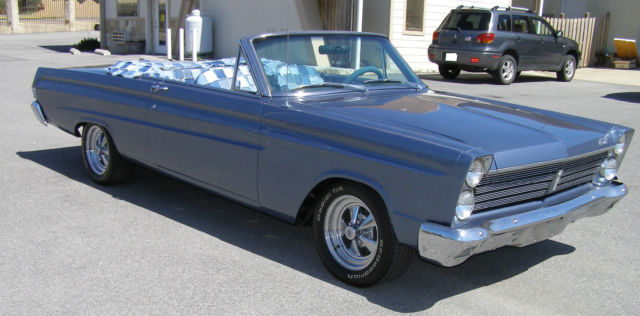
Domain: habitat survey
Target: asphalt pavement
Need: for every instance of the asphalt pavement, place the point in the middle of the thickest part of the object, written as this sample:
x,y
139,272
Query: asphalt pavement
x,y
157,246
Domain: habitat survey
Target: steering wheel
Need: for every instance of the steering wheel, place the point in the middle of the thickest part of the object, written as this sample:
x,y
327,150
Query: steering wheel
x,y
361,71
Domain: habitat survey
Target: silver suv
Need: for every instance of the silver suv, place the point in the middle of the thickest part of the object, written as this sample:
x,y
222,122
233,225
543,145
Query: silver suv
x,y
502,42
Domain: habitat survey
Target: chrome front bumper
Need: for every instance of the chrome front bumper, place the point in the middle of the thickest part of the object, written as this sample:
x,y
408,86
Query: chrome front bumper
x,y
452,246
37,111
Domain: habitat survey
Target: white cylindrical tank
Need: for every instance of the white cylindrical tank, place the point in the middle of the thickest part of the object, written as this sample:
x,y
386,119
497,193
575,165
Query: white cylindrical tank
x,y
203,29
193,27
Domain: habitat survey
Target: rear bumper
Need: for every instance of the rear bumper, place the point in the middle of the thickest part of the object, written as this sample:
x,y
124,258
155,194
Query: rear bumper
x,y
452,246
37,111
485,60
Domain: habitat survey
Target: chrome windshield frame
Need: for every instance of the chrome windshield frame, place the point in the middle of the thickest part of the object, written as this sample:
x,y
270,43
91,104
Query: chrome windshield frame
x,y
264,88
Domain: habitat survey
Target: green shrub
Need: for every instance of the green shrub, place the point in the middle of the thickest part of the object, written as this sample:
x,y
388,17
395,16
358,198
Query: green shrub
x,y
29,6
87,44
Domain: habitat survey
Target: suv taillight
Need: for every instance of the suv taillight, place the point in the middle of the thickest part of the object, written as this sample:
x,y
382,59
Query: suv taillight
x,y
434,39
485,38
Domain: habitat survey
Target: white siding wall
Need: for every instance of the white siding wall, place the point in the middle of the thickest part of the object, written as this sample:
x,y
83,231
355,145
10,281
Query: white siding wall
x,y
414,47
375,16
235,19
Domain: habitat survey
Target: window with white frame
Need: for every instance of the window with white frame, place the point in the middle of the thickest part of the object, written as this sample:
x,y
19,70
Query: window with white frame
x,y
127,8
414,16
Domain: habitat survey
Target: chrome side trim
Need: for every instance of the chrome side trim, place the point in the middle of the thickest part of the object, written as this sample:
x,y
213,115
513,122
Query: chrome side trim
x,y
542,163
452,246
37,111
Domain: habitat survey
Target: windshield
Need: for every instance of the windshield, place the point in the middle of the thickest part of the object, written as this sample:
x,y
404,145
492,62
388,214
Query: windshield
x,y
333,61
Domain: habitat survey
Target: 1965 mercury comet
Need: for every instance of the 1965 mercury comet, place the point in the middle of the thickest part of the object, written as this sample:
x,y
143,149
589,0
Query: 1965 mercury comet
x,y
335,130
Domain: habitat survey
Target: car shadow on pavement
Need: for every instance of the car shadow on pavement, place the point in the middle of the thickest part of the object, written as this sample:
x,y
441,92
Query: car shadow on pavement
x,y
57,48
484,78
633,97
420,288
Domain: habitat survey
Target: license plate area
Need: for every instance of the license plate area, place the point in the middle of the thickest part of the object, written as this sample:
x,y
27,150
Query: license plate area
x,y
450,57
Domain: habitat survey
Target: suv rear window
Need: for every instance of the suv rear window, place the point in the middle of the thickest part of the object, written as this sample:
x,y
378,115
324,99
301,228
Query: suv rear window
x,y
468,21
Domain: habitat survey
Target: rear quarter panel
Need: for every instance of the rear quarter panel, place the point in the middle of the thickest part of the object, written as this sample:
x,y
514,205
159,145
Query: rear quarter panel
x,y
70,97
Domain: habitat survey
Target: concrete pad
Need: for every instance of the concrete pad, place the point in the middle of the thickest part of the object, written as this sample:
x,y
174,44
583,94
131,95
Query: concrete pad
x,y
629,77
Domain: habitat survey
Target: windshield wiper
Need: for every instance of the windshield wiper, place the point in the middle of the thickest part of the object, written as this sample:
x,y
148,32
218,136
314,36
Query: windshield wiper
x,y
331,85
385,80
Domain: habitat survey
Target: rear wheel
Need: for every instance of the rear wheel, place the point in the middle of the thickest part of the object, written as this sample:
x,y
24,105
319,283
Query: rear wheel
x,y
507,70
568,69
448,71
354,237
101,159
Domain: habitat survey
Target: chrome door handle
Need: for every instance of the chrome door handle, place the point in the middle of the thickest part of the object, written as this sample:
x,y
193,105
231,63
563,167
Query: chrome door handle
x,y
156,87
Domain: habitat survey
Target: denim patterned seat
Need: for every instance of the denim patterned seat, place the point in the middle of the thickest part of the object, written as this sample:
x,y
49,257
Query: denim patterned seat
x,y
287,77
217,73
219,77
185,71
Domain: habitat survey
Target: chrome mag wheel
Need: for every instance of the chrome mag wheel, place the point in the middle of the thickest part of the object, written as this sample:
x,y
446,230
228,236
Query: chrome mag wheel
x,y
508,70
351,233
569,68
97,150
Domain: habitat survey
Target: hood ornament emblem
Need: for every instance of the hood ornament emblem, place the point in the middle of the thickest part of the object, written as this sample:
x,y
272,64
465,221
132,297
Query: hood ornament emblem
x,y
556,180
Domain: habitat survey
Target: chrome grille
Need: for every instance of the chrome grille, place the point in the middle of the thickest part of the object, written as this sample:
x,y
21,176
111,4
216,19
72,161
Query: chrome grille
x,y
502,189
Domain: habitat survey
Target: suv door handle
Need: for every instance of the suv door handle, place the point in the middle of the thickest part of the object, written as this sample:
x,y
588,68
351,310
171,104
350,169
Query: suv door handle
x,y
518,38
156,87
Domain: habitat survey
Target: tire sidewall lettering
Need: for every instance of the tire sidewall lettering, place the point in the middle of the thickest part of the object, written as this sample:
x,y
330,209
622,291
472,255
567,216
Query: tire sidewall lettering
x,y
372,266
326,201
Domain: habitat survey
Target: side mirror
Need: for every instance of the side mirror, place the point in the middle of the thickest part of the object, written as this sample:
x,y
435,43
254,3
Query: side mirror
x,y
559,33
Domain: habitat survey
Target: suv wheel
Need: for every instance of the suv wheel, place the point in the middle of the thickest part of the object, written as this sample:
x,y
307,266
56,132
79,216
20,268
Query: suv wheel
x,y
449,72
506,72
568,69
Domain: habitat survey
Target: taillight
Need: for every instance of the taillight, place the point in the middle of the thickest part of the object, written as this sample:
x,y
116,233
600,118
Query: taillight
x,y
485,38
435,37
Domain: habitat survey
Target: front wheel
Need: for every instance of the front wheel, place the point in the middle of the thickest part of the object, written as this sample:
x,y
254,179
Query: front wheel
x,y
448,72
568,69
101,159
354,237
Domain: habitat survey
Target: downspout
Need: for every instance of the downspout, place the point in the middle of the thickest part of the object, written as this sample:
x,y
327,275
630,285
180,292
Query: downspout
x,y
540,7
359,29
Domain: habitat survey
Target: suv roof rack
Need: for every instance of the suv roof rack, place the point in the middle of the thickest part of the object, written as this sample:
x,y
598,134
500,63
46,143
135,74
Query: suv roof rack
x,y
512,9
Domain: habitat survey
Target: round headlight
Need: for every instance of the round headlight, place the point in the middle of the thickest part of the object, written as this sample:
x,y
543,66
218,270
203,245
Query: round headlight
x,y
465,205
619,147
609,169
474,175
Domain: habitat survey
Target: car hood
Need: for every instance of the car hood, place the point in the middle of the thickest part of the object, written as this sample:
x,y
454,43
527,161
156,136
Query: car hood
x,y
514,135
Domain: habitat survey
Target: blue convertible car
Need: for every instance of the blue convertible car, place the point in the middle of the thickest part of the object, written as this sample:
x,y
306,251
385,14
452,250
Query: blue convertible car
x,y
334,130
